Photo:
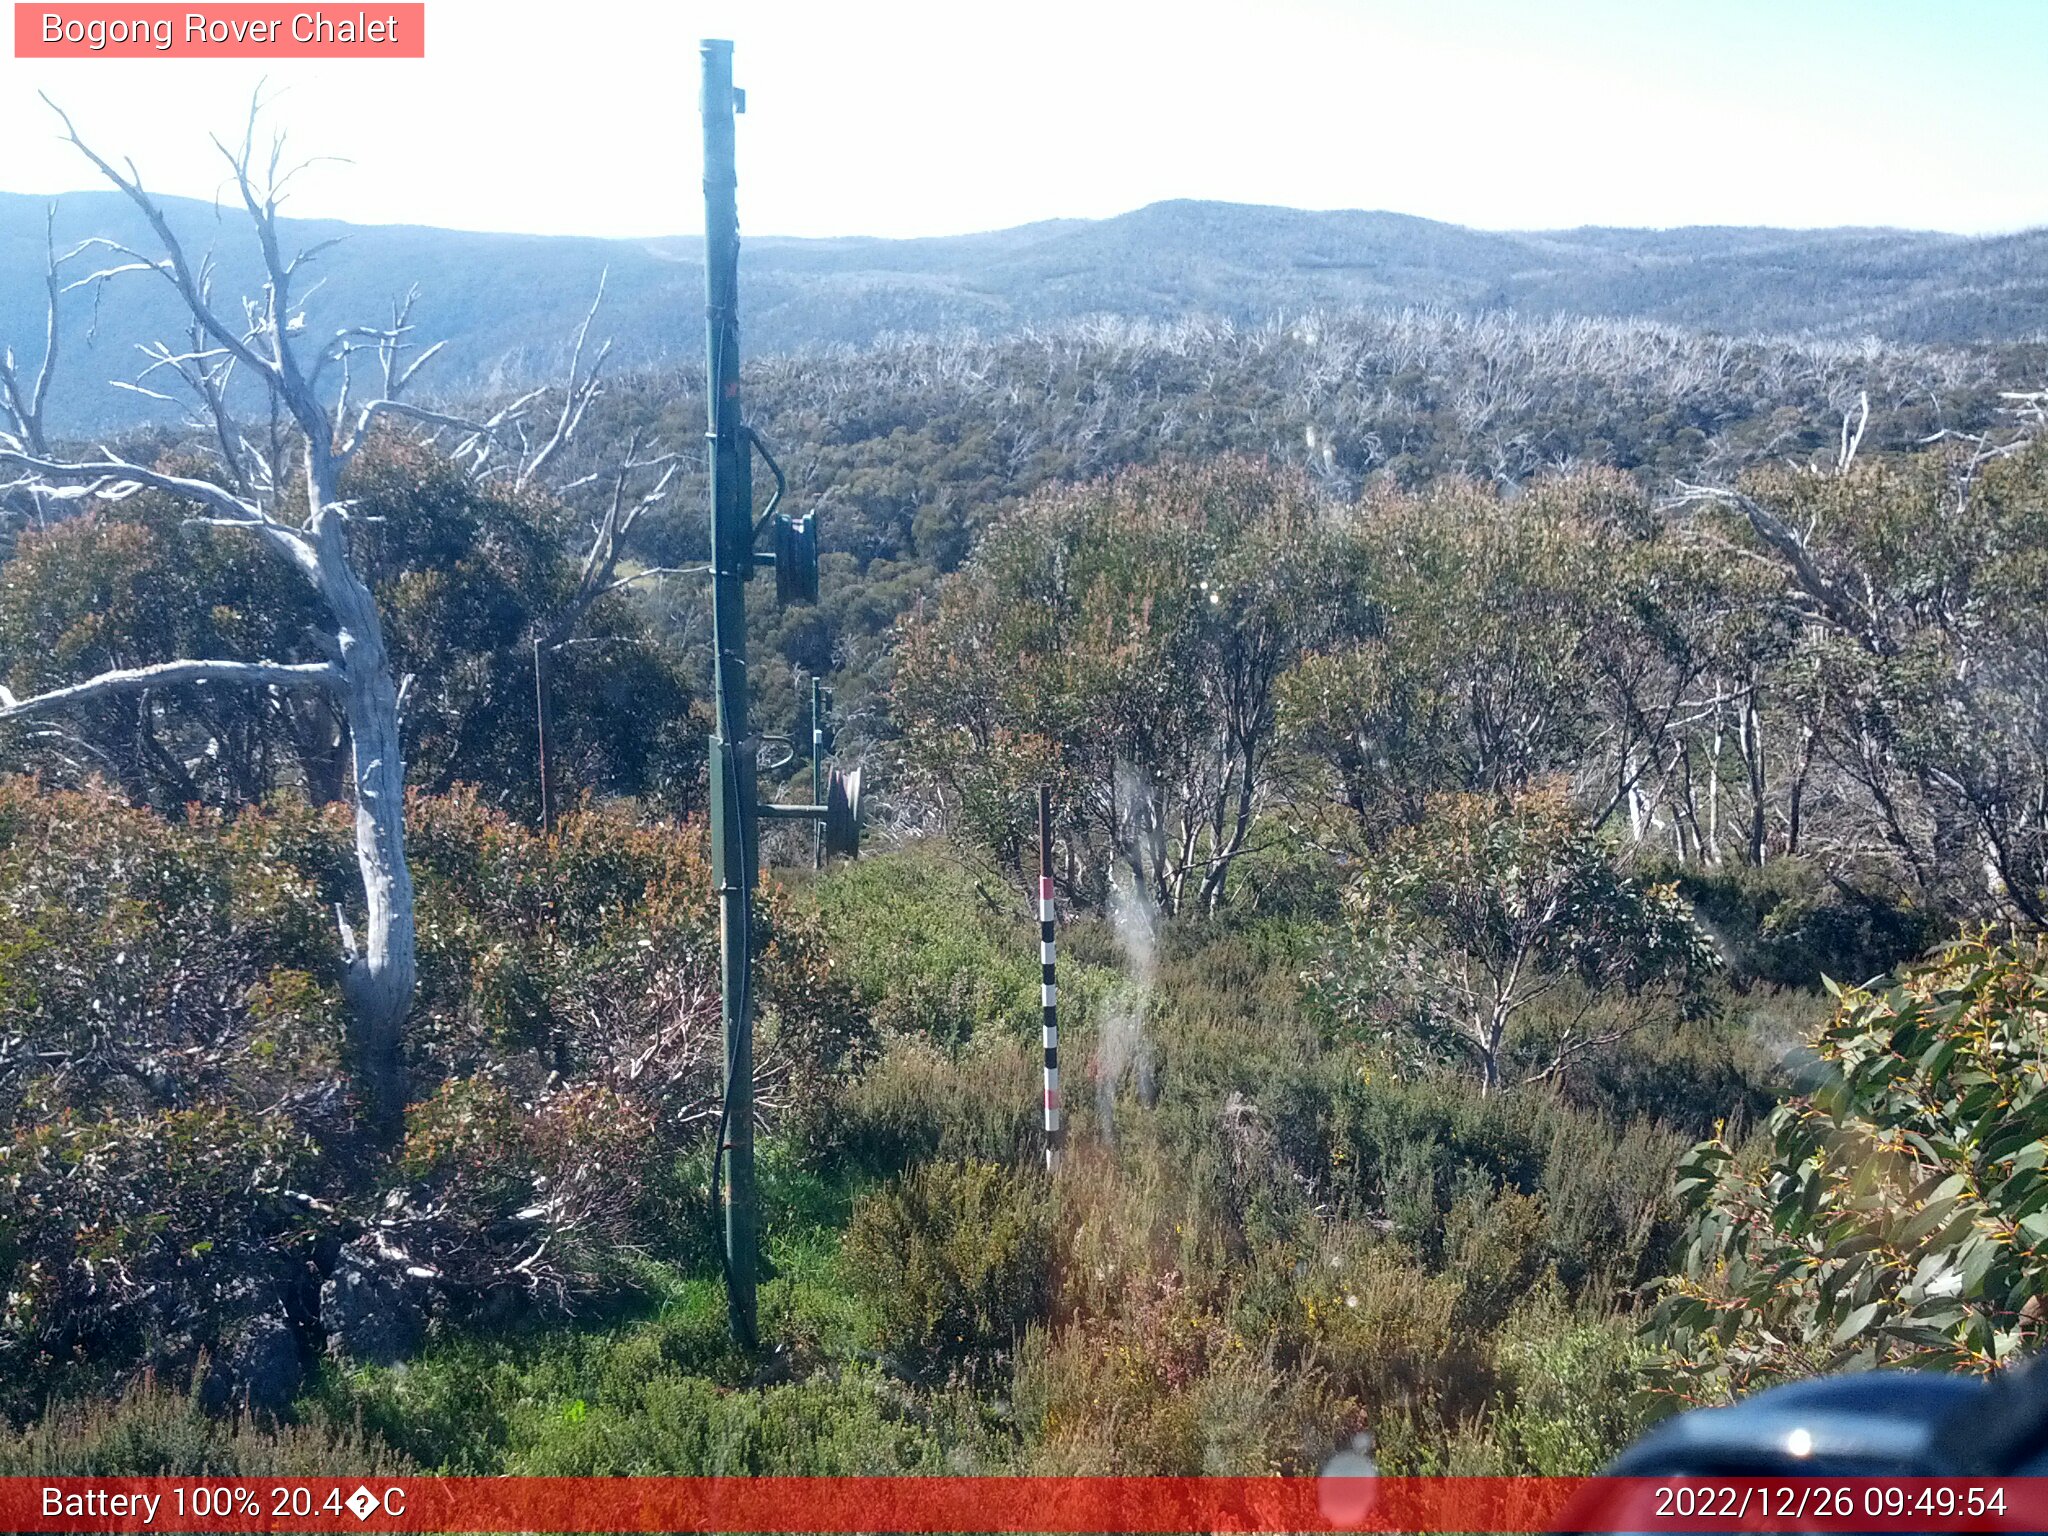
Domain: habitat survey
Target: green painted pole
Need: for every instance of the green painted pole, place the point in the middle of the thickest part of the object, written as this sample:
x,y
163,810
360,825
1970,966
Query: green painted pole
x,y
734,841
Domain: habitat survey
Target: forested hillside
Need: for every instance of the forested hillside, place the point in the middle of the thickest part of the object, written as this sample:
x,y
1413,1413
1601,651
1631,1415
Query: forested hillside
x,y
1547,823
908,449
499,300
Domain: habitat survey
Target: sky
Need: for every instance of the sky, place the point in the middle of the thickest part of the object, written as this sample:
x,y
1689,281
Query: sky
x,y
913,117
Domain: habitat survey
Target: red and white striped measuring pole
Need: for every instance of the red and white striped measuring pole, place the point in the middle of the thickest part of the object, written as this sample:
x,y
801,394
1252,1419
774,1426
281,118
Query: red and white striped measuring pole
x,y
1048,988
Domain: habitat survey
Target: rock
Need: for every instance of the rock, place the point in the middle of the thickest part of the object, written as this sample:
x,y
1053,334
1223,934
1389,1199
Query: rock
x,y
266,1366
373,1305
255,1367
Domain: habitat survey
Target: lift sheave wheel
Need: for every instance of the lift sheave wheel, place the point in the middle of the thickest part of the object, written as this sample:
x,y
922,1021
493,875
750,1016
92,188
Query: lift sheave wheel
x,y
842,815
796,558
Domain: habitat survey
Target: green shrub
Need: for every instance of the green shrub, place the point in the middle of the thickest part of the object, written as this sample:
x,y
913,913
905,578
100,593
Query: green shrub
x,y
149,1431
180,1147
920,1100
933,949
1694,1073
1898,1213
1493,1244
686,1426
1609,1217
1404,1151
472,1398
1788,924
955,1260
1165,1389
1227,1004
1378,1325
1398,1148
114,1235
1572,1389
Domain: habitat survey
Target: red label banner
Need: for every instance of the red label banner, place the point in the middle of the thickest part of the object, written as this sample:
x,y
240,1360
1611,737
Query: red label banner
x,y
226,31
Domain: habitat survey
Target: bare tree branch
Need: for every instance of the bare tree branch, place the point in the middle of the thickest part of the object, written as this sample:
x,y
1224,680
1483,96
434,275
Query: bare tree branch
x,y
113,478
1853,439
175,267
1834,603
389,407
261,674
609,532
577,392
25,407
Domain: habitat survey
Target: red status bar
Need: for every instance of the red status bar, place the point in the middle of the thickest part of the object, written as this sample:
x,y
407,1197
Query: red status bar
x,y
1050,1504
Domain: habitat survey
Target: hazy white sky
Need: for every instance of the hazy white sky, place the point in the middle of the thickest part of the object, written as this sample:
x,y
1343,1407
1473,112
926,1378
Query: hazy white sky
x,y
914,117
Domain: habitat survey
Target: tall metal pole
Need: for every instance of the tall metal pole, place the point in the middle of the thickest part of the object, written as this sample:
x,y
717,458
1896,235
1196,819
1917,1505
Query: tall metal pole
x,y
540,726
734,842
1048,985
817,769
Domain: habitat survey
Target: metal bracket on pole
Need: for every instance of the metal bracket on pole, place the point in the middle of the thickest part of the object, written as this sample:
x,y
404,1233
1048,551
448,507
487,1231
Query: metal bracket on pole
x,y
795,552
775,500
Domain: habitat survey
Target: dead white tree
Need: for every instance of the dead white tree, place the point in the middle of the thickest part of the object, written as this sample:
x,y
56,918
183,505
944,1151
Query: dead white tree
x,y
611,525
275,474
24,397
251,494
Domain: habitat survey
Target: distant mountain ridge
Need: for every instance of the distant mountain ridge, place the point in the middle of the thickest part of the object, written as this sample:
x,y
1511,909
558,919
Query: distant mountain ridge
x,y
506,303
